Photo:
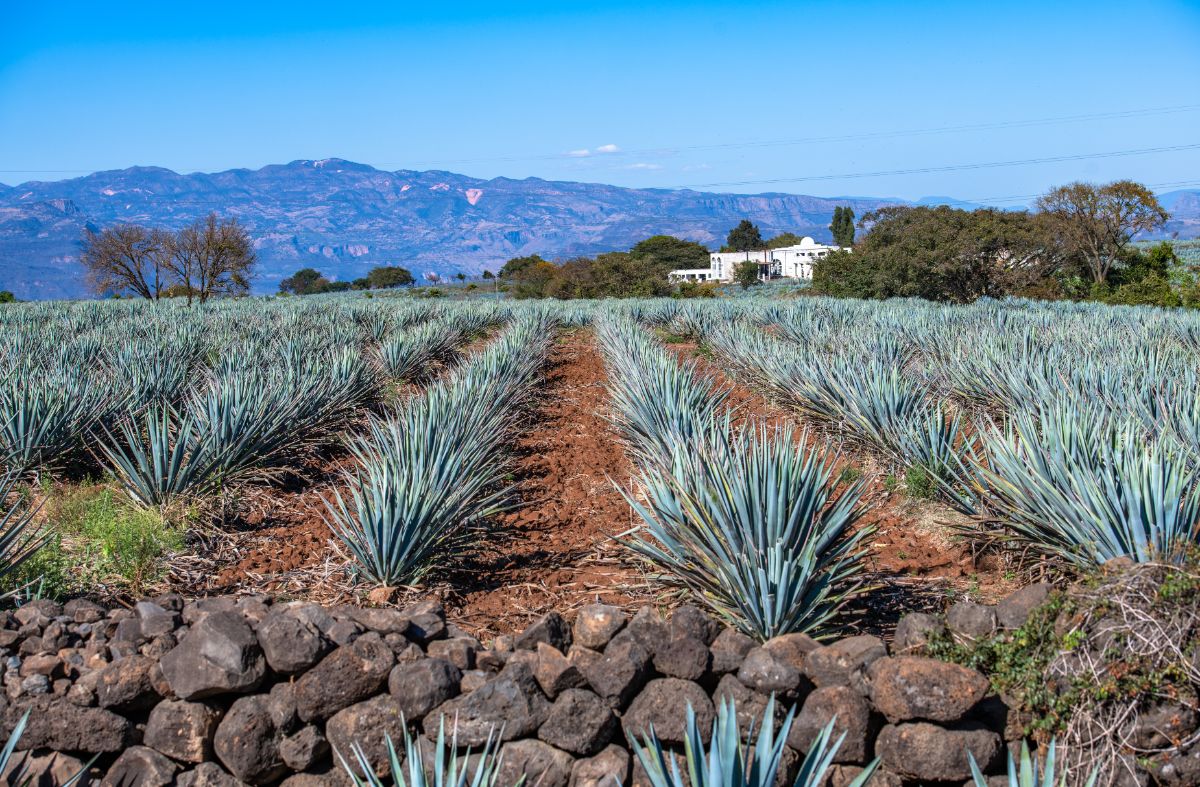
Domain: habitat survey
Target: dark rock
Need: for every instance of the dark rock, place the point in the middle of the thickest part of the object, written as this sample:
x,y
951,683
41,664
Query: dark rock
x,y
83,611
928,753
853,719
971,622
683,657
195,611
512,700
554,672
247,741
207,774
381,620
182,730
350,674
54,723
596,624
473,679
423,685
688,620
903,688
838,664
281,704
139,766
304,749
459,651
550,629
1163,725
292,643
426,627
49,769
609,768
729,650
620,673
490,660
647,628
792,649
332,775
763,672
220,655
43,664
540,764
127,685
1014,611
913,631
579,722
368,725
844,776
749,705
344,631
583,657
663,704
155,620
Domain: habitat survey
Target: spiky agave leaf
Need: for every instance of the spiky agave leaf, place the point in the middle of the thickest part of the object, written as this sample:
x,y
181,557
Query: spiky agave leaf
x,y
1028,772
449,768
1087,487
755,527
158,458
725,762
19,538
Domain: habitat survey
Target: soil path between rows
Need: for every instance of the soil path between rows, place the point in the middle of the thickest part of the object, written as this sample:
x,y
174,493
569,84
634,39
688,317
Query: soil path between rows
x,y
554,550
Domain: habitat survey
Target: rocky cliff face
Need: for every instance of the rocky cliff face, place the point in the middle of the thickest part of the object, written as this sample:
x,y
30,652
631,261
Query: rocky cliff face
x,y
343,218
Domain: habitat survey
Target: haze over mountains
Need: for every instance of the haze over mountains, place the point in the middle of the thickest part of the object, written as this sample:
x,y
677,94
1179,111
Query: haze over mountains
x,y
344,218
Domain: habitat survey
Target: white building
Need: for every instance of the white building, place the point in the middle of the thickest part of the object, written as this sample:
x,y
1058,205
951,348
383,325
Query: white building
x,y
788,262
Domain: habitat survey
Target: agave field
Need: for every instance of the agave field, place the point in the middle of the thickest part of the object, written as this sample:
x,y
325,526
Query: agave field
x,y
749,436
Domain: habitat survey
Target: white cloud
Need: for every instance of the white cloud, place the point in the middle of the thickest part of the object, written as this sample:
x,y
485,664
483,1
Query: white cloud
x,y
584,153
644,165
610,148
693,167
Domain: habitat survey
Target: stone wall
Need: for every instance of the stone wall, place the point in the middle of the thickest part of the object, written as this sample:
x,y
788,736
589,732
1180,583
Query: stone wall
x,y
229,690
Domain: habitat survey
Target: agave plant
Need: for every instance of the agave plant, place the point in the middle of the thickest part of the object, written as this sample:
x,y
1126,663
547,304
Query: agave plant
x,y
755,527
1028,772
449,768
727,764
19,539
158,458
1086,486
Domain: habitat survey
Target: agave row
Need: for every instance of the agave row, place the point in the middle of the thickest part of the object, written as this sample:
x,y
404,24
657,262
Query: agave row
x,y
747,518
436,466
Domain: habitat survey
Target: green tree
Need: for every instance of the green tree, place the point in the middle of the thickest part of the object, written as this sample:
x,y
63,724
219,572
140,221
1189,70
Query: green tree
x,y
1095,223
303,282
7,297
842,226
744,237
387,276
489,275
784,239
746,274
517,264
666,253
940,254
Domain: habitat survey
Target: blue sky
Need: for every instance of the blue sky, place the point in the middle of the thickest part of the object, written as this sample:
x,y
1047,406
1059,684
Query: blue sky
x,y
720,96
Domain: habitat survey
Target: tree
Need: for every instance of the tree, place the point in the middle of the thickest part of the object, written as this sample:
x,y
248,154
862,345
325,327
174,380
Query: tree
x,y
665,253
460,276
489,275
7,297
212,257
1096,223
744,237
842,226
127,258
387,276
940,254
746,274
784,239
303,282
517,264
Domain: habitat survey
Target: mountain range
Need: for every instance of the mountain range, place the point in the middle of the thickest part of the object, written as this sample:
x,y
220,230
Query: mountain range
x,y
344,218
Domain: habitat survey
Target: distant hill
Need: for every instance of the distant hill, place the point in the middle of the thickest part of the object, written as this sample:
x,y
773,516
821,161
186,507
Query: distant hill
x,y
344,218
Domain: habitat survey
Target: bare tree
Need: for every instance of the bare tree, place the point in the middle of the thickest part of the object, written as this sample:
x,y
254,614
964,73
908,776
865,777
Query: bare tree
x,y
127,258
1096,223
212,257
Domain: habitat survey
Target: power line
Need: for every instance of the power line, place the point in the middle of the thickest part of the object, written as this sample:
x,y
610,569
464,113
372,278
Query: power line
x,y
950,167
896,133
